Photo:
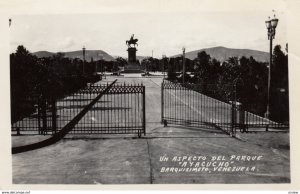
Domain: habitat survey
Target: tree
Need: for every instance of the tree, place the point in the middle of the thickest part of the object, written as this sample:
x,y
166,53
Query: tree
x,y
279,96
121,61
171,70
207,69
24,82
115,67
203,58
146,63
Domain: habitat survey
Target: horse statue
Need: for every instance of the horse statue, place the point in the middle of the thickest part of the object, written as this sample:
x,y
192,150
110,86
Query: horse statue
x,y
132,41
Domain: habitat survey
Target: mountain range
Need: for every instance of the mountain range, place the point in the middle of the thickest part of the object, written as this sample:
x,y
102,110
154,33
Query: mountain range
x,y
89,54
220,53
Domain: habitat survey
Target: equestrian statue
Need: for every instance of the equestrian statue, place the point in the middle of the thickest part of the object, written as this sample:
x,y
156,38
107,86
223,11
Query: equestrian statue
x,y
132,41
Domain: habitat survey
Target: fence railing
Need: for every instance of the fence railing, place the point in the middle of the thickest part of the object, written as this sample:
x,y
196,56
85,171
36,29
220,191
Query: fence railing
x,y
210,106
121,110
184,104
41,119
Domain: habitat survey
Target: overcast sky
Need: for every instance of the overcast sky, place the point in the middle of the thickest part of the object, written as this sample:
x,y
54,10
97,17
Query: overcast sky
x,y
164,32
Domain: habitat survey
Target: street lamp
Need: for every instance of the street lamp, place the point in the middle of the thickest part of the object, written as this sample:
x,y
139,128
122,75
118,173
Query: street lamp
x,y
271,25
183,63
101,65
83,52
164,57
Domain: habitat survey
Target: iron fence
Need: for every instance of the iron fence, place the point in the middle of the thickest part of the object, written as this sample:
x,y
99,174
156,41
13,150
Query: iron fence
x,y
210,106
38,118
121,110
185,104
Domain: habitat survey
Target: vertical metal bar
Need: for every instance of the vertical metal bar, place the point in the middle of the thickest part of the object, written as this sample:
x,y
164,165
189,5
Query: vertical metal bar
x,y
39,116
126,94
194,105
185,96
122,110
189,104
103,106
169,97
72,103
232,116
198,98
125,115
115,110
75,105
44,116
162,102
129,106
201,102
178,95
119,105
134,106
92,113
109,96
216,115
139,111
112,104
179,102
144,111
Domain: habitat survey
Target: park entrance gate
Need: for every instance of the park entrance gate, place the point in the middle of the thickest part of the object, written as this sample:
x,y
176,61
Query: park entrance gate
x,y
212,106
119,110
196,105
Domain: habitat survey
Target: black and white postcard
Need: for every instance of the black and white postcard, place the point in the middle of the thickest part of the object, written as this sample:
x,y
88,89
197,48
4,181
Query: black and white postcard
x,y
151,92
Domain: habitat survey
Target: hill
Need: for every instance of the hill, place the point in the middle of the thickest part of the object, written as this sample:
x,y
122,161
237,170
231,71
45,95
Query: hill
x,y
41,54
222,53
140,58
95,54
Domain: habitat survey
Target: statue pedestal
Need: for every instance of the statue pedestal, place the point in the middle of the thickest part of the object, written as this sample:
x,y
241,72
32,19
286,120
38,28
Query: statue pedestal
x,y
131,54
132,65
133,68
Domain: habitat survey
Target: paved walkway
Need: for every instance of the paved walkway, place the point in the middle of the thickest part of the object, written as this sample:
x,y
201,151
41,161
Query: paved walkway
x,y
151,159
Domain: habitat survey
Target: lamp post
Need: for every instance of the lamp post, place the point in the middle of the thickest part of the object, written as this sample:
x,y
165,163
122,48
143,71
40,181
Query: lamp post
x,y
271,25
183,63
101,65
83,52
164,57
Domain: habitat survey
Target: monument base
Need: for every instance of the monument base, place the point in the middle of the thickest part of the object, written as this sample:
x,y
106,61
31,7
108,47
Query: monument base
x,y
132,67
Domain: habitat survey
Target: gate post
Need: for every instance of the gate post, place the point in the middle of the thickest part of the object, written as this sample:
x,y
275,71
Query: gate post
x,y
241,117
53,112
237,117
233,118
144,110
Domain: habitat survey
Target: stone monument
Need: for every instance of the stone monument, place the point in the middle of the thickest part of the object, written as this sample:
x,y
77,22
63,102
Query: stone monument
x,y
133,65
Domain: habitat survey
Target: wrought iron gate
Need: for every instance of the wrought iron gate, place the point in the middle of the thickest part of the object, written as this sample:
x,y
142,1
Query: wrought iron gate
x,y
196,105
211,106
38,116
120,110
